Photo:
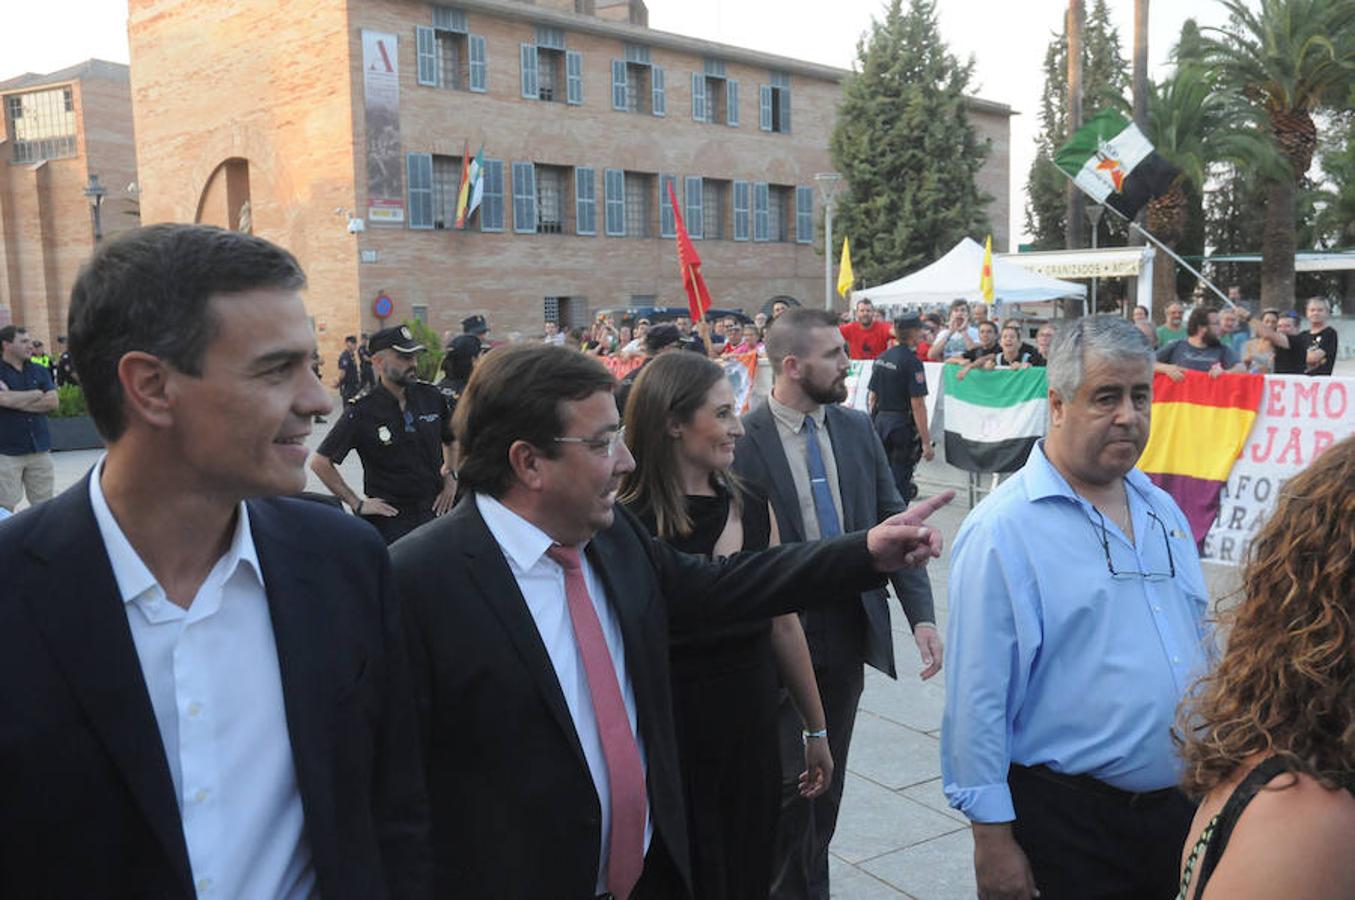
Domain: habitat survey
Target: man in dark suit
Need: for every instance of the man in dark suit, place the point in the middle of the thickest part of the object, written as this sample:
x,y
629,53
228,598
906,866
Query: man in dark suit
x,y
203,688
826,472
538,617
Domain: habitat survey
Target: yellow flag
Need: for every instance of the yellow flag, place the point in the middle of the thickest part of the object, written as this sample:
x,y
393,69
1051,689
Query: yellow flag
x,y
986,275
845,278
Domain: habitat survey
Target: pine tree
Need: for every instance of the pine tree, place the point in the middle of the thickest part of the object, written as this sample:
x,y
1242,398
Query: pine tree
x,y
1105,84
904,141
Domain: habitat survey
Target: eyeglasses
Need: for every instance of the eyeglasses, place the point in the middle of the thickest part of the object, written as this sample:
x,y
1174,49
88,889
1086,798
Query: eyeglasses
x,y
1104,537
605,446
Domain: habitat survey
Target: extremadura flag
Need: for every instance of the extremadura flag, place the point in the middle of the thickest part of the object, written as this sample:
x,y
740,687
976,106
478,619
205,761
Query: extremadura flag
x,y
993,417
1111,161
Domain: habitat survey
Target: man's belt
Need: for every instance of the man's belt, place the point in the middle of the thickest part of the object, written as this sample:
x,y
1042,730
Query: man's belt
x,y
1086,784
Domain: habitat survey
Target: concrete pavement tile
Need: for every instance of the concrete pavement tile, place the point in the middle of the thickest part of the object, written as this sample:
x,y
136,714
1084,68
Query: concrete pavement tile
x,y
875,821
847,882
892,755
939,869
908,701
929,794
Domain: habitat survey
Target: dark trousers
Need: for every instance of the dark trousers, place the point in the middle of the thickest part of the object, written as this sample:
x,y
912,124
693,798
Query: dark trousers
x,y
806,826
411,516
1092,844
903,448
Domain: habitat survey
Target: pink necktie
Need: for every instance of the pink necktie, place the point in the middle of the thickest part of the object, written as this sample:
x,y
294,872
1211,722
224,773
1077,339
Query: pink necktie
x,y
625,775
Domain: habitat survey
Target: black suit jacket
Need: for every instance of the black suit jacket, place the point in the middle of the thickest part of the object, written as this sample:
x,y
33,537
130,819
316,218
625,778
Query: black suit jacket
x,y
869,496
515,813
87,805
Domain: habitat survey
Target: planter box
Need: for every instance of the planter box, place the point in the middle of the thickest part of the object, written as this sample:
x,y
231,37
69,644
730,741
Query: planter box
x,y
74,433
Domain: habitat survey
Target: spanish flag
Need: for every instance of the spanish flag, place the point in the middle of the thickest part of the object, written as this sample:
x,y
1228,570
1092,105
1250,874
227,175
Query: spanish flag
x,y
1199,427
845,277
986,273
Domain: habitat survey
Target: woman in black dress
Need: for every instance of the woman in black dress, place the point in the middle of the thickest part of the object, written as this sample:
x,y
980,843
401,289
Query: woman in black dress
x,y
681,425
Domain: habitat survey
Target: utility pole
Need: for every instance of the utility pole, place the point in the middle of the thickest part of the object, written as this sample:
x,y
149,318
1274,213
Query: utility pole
x,y
1140,86
1074,225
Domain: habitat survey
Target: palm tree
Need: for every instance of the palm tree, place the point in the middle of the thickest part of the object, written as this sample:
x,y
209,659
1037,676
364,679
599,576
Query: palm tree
x,y
1287,59
1193,127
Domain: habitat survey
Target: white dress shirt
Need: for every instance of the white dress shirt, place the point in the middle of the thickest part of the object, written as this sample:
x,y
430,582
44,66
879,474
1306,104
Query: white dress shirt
x,y
790,425
212,673
542,583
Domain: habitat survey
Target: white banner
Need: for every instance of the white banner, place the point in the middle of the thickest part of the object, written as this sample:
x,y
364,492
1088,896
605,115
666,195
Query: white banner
x,y
381,119
1299,418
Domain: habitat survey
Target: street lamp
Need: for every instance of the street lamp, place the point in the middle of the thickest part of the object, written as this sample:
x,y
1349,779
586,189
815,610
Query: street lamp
x,y
95,192
1094,213
829,184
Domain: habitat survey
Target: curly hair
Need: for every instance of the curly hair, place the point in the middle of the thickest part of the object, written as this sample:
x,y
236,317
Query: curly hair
x,y
1286,685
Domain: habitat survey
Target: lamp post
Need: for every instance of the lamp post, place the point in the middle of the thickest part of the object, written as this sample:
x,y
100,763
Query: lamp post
x,y
1094,213
95,192
829,184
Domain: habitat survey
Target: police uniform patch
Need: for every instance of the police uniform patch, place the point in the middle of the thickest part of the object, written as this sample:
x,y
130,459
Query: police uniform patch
x,y
921,377
383,434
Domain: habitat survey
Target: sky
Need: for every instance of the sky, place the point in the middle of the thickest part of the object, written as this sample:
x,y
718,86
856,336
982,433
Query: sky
x,y
1007,39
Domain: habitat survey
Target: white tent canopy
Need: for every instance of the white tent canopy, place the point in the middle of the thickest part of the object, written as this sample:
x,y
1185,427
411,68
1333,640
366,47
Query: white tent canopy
x,y
956,275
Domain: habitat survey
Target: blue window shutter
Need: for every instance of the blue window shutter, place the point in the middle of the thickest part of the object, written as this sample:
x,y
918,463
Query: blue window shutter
x,y
527,60
479,68
784,110
524,198
804,215
574,78
761,212
614,189
585,202
741,210
420,184
732,103
491,204
764,107
692,212
619,85
426,44
698,97
667,223
658,97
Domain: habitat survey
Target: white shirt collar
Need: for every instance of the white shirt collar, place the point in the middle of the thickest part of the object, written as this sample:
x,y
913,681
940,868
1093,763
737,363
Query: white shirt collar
x,y
521,541
131,574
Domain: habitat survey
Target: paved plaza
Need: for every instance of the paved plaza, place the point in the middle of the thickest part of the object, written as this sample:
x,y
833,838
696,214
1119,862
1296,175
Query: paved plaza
x,y
896,837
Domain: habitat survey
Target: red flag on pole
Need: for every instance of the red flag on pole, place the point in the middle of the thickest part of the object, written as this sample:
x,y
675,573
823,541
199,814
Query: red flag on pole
x,y
689,264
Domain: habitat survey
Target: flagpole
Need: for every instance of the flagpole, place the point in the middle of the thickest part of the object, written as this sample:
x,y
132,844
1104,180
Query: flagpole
x,y
1165,249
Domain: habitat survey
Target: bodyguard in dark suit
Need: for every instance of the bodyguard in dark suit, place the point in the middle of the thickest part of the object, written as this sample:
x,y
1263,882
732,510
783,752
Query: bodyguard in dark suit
x,y
826,473
203,691
538,617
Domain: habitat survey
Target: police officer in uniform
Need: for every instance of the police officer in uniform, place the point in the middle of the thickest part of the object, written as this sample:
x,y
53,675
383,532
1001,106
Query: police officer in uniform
x,y
402,433
898,403
457,364
349,377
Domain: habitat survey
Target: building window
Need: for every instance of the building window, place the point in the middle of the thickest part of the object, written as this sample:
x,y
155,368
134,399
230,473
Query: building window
x,y
448,55
742,210
550,199
419,186
637,85
614,185
715,99
524,198
804,215
667,222
774,104
780,205
566,312
446,188
761,203
585,201
639,188
692,201
491,204
41,124
714,208
420,313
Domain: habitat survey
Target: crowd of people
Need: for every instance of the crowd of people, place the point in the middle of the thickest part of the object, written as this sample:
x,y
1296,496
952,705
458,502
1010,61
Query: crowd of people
x,y
617,643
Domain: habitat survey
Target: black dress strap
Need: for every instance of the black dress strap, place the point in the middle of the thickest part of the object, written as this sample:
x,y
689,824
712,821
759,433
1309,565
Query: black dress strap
x,y
1242,795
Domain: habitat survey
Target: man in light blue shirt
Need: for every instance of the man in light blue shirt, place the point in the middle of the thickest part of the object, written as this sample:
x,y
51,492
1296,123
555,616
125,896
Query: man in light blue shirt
x,y
1077,610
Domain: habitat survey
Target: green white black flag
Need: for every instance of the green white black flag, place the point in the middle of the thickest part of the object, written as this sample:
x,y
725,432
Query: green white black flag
x,y
1111,160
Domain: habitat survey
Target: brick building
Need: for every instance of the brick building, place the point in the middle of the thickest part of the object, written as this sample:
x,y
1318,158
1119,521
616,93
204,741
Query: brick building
x,y
255,115
60,130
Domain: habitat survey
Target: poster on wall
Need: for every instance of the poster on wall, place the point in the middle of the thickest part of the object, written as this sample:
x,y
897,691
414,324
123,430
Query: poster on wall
x,y
381,117
1298,419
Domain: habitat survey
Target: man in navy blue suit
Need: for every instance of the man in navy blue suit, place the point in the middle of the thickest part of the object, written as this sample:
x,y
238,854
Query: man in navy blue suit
x,y
203,691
